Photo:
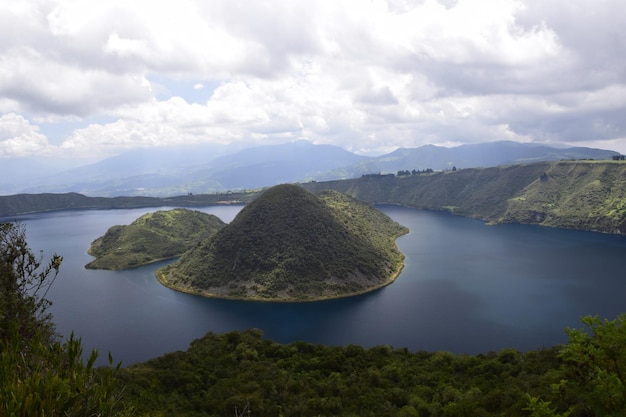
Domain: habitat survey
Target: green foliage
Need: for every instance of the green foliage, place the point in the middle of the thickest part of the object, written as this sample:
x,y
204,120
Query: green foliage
x,y
541,408
585,195
223,372
41,376
595,364
292,245
480,192
24,282
152,237
590,382
579,195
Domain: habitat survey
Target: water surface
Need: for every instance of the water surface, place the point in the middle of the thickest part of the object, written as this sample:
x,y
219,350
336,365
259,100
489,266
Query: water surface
x,y
466,288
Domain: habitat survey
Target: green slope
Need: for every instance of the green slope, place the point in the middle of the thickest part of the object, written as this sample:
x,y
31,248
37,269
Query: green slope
x,y
587,196
290,245
152,237
584,195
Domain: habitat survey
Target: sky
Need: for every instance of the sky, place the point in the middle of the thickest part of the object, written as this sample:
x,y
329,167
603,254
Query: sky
x,y
83,79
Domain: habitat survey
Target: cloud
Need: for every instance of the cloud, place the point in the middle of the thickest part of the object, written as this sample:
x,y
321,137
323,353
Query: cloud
x,y
368,76
19,138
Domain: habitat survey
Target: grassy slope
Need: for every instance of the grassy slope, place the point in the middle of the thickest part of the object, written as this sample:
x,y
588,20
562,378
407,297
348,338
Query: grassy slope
x,y
589,196
289,245
583,195
154,236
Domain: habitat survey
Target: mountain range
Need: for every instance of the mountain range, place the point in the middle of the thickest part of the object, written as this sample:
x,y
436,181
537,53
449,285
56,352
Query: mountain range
x,y
217,168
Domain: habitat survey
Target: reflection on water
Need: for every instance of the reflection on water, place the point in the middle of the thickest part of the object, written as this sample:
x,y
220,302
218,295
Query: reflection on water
x,y
466,287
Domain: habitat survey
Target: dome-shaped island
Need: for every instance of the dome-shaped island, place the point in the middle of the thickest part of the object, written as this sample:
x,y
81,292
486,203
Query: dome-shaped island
x,y
292,245
151,238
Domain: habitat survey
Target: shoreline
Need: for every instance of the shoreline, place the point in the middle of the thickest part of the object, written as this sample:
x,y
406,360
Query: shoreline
x,y
160,276
134,266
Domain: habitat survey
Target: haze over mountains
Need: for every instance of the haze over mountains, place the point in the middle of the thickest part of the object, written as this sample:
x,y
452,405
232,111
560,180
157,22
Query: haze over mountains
x,y
218,168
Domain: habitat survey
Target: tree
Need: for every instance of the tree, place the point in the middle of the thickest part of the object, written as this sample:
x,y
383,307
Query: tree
x,y
40,374
591,379
595,364
24,285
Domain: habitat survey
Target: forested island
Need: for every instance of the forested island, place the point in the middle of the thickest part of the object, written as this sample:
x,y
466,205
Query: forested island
x,y
152,237
292,245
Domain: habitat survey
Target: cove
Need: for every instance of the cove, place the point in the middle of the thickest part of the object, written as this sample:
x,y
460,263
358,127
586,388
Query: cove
x,y
466,288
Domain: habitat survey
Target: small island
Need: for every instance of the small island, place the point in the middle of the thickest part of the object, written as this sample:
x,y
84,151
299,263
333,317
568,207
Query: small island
x,y
292,245
151,238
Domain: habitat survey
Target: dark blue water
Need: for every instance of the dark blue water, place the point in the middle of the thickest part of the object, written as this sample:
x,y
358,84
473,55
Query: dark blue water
x,y
466,288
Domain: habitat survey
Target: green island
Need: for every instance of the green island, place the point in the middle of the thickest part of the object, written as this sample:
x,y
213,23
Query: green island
x,y
291,245
152,237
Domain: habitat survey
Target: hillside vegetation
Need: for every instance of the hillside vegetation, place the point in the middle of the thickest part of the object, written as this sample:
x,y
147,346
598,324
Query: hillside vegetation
x,y
290,245
587,196
239,373
584,195
19,204
152,237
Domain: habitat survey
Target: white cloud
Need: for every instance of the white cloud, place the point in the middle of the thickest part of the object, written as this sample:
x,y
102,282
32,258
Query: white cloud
x,y
363,75
19,138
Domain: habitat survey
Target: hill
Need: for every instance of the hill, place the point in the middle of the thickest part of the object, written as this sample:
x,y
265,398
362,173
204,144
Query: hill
x,y
152,237
291,245
582,195
20,204
586,196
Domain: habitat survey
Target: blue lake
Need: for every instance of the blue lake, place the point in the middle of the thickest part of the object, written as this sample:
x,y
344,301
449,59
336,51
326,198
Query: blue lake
x,y
466,288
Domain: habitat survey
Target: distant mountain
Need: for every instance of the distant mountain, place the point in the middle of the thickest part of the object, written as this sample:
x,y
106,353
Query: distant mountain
x,y
152,237
291,245
471,156
276,164
136,172
213,168
196,169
